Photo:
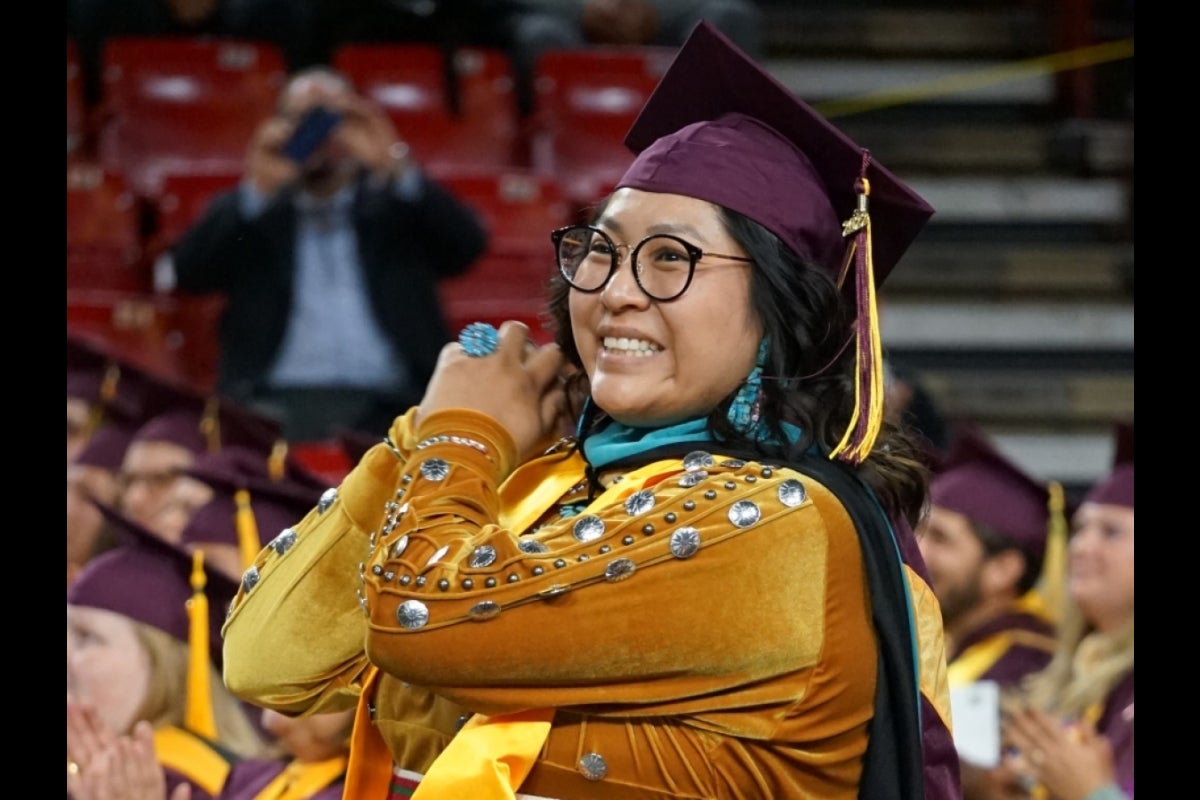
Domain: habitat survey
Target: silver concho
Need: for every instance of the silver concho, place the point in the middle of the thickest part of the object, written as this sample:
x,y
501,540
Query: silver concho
x,y
399,546
412,614
554,590
744,513
698,459
437,556
284,541
592,766
619,570
328,498
733,463
532,546
588,528
485,609
435,469
250,578
684,542
792,493
690,479
482,556
639,502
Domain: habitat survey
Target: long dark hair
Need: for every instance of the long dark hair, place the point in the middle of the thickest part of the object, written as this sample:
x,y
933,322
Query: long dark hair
x,y
807,378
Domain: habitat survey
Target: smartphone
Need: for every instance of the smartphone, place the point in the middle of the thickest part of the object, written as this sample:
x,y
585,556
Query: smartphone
x,y
313,129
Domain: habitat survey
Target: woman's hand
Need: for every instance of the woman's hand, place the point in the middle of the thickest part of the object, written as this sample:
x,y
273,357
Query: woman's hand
x,y
1070,761
519,386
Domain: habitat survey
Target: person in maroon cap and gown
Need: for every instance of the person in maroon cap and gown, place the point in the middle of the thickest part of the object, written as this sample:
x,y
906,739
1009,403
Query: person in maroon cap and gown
x,y
1072,738
711,589
133,619
983,542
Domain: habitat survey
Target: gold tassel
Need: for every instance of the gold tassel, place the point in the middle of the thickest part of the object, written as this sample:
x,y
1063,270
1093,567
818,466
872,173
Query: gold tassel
x,y
104,398
1054,559
249,544
198,716
867,418
277,461
210,424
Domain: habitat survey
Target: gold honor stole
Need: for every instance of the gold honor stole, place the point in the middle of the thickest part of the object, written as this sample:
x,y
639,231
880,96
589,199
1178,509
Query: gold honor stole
x,y
300,780
192,757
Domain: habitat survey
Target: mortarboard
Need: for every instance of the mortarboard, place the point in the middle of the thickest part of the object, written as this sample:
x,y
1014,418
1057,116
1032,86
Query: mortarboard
x,y
720,128
158,584
202,422
97,377
1116,488
106,447
975,480
249,498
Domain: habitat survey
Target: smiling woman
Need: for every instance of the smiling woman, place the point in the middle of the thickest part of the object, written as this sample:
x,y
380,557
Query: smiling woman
x,y
709,586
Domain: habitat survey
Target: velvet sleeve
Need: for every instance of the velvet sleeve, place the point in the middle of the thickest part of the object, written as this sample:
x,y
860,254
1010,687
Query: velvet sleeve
x,y
294,637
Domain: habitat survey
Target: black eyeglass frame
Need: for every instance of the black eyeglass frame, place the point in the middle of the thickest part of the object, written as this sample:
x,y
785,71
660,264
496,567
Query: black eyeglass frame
x,y
694,256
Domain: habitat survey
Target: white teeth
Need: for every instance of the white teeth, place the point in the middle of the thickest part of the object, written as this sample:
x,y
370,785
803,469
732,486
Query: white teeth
x,y
635,347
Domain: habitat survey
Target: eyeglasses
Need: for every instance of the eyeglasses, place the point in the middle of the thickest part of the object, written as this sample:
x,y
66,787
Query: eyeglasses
x,y
663,264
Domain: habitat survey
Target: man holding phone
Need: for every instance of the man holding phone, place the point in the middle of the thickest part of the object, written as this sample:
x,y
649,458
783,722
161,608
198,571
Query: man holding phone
x,y
328,253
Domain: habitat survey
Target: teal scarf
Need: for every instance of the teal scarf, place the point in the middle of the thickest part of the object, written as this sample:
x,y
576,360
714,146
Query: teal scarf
x,y
616,442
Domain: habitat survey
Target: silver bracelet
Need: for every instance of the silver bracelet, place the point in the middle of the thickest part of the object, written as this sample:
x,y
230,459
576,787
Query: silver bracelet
x,y
463,440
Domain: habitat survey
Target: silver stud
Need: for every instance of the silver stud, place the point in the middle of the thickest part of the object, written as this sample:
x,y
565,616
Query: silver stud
x,y
422,580
710,494
482,556
690,479
619,570
626,540
468,584
437,556
684,542
485,609
697,459
583,557
376,570
730,485
435,469
328,498
443,584
490,583
559,563
399,546
744,513
592,766
389,576
792,493
647,529
405,580
284,541
532,546
689,505
639,502
751,478
538,570
250,578
767,472
670,517
412,614
604,548
588,528
462,720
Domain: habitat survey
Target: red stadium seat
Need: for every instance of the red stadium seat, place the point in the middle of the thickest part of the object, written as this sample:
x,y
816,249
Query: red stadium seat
x,y
136,326
519,209
587,98
409,81
183,105
104,240
180,201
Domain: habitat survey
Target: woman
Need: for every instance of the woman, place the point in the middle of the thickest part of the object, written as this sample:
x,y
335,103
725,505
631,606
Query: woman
x,y
1074,738
129,661
687,598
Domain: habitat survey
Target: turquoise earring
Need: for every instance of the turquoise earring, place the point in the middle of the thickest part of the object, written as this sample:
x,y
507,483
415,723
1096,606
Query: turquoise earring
x,y
746,406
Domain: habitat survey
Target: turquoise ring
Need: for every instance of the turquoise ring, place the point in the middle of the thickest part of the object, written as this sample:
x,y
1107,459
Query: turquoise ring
x,y
479,339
